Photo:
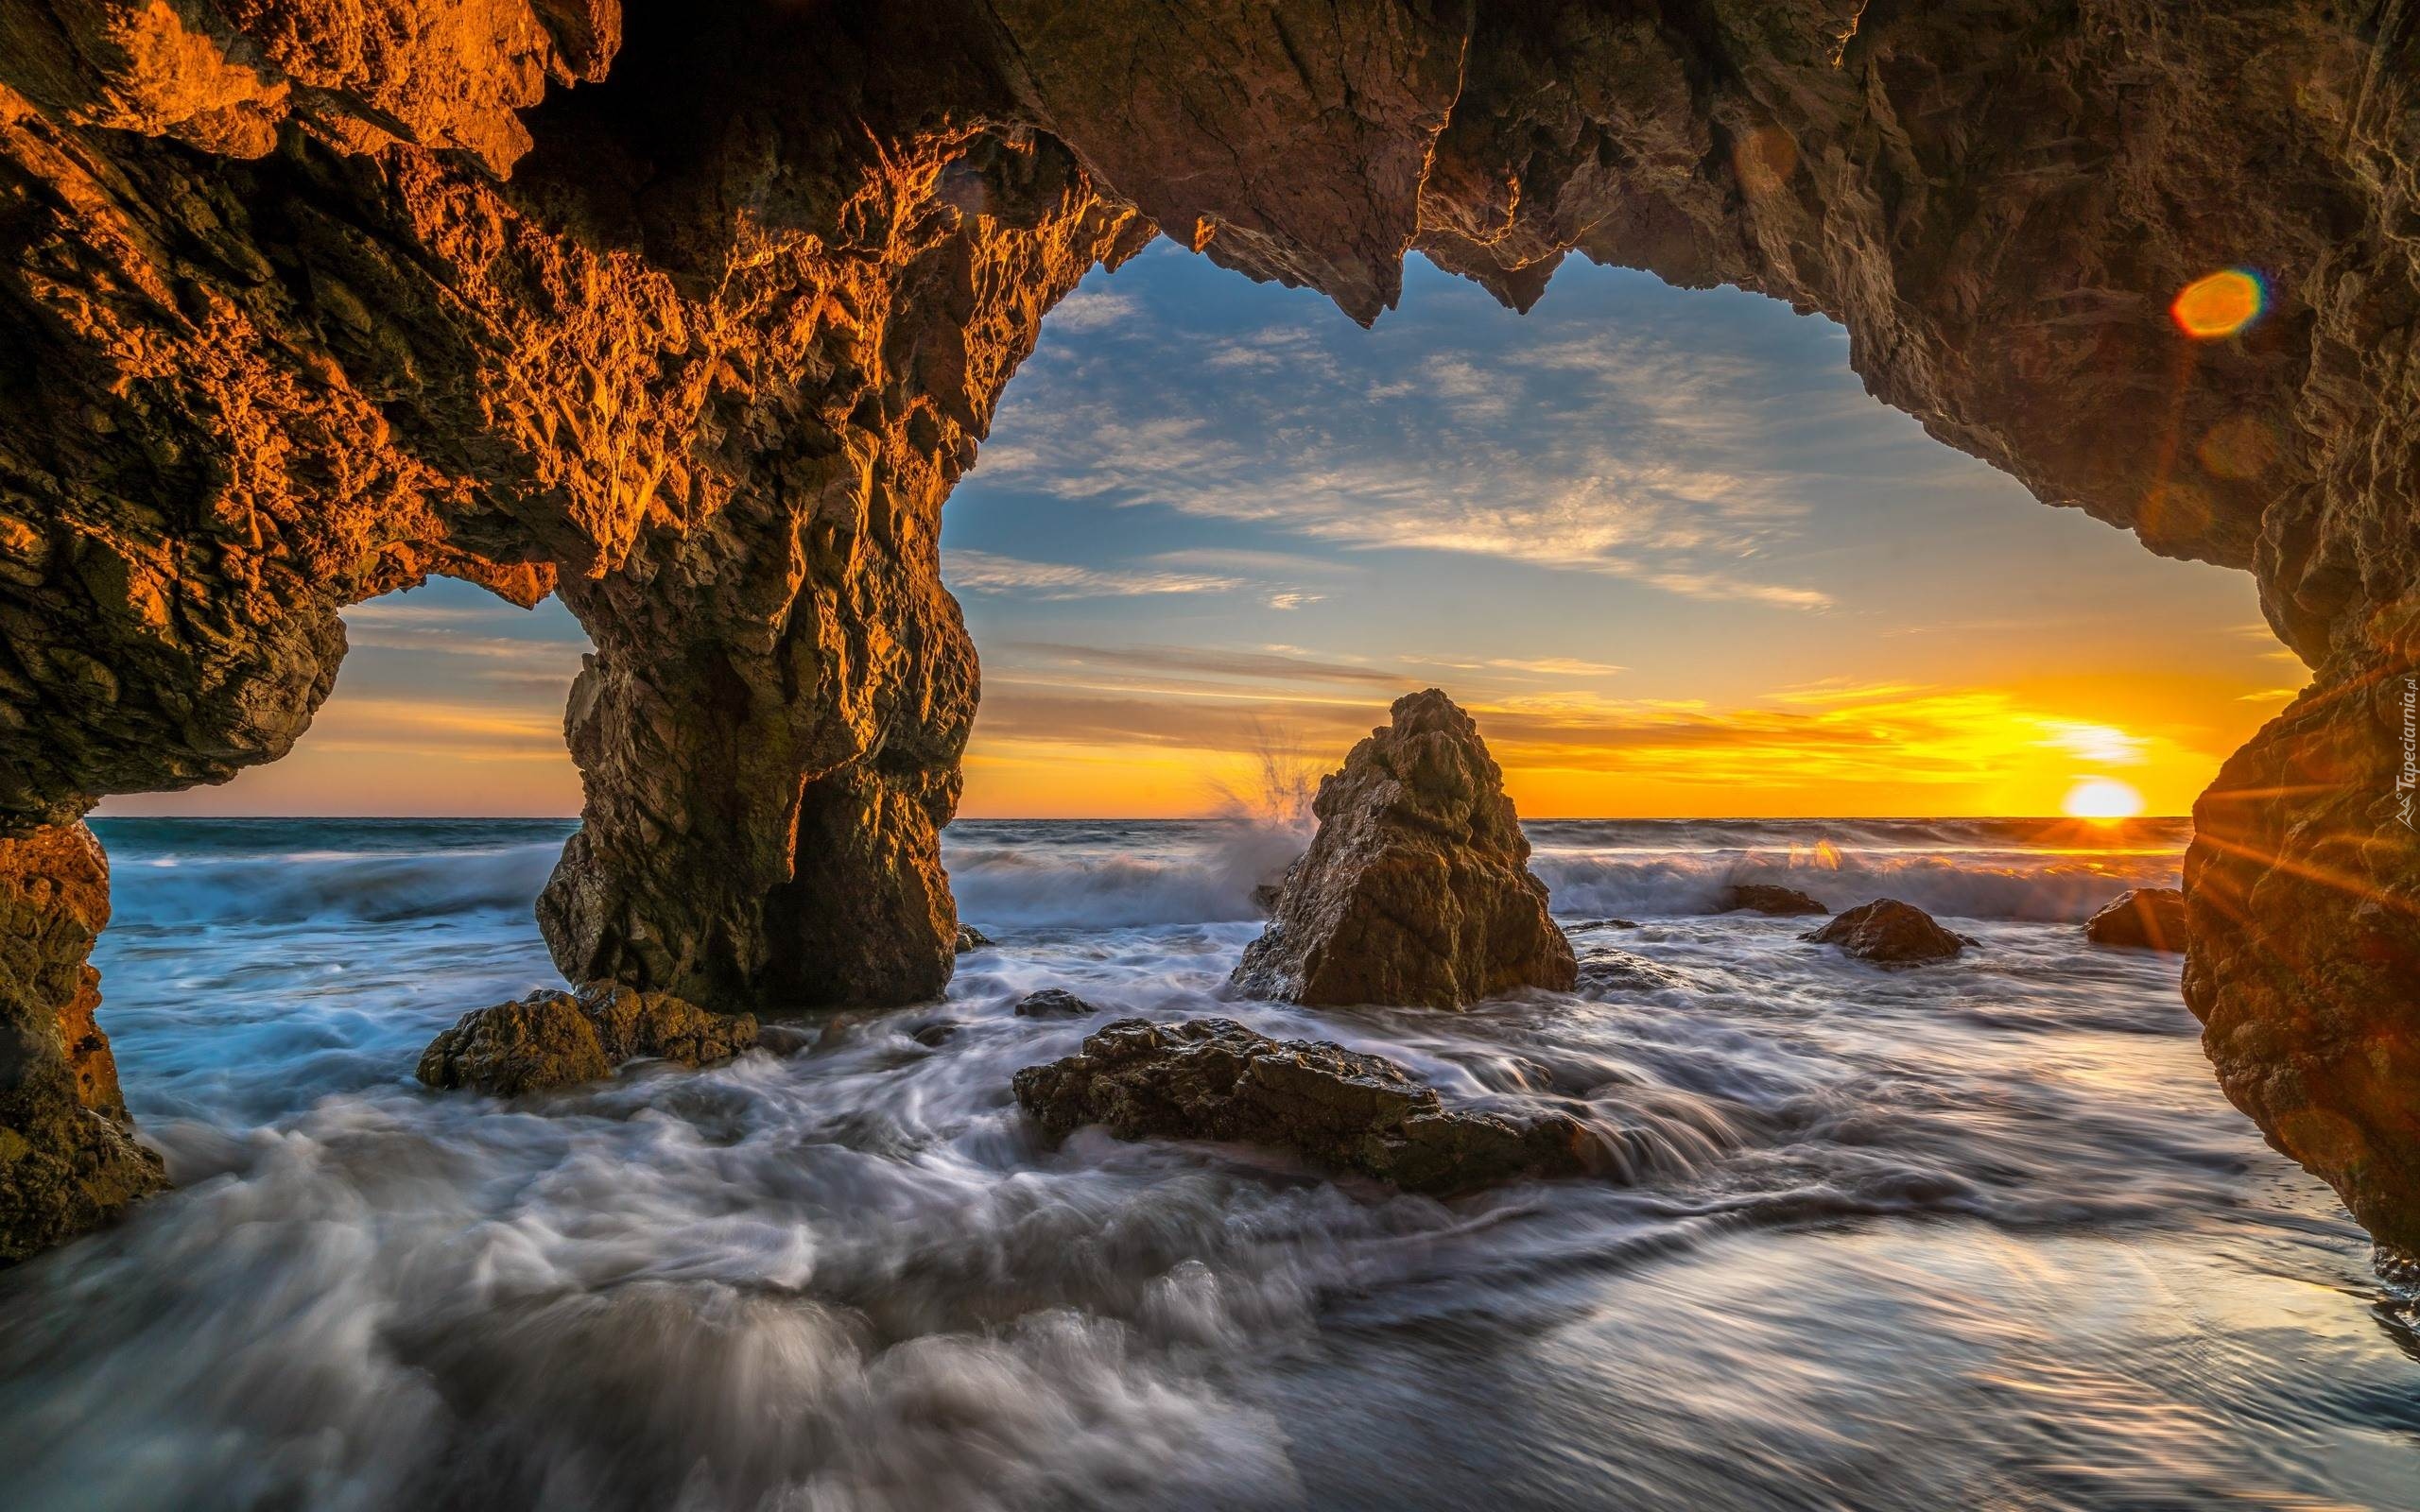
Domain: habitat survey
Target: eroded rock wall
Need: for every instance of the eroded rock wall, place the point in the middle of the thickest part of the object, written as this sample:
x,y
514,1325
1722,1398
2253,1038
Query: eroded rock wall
x,y
694,315
68,1156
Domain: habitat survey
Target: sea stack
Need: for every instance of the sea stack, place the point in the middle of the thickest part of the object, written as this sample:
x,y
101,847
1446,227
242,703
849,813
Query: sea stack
x,y
1416,891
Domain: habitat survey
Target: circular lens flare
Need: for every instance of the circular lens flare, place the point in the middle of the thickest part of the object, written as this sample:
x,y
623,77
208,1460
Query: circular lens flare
x,y
2220,304
2104,798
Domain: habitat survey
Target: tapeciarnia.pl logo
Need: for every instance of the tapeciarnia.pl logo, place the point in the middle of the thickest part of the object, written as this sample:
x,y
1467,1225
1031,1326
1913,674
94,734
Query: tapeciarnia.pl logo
x,y
2408,779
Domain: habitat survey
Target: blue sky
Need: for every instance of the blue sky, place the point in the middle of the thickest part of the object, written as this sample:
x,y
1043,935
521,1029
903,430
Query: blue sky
x,y
1661,542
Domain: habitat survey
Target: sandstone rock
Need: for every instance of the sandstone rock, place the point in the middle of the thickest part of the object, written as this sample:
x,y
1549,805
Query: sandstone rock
x,y
557,1039
2146,918
1765,897
972,939
1054,1003
1214,1079
538,1042
68,1157
711,356
1891,932
1416,891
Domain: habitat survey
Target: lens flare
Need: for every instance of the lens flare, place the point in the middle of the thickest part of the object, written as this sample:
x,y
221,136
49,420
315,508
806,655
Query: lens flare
x,y
2220,304
2103,798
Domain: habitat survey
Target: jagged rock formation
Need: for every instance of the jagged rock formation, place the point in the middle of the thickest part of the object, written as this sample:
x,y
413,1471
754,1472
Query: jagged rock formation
x,y
1214,1079
1891,933
1767,898
2144,918
1416,891
695,316
68,1156
560,1040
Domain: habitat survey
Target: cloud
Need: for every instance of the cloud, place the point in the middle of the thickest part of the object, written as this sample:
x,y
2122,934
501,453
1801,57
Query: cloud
x,y
1261,665
2101,745
1555,665
1616,456
1088,310
982,572
1290,598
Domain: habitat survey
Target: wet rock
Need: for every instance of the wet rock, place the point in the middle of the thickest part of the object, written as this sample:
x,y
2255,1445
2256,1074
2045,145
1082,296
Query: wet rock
x,y
1416,891
1264,898
936,1034
1214,1079
1600,923
536,1042
972,939
68,1157
784,1040
1891,932
1765,897
554,1038
1606,969
2146,918
1054,1003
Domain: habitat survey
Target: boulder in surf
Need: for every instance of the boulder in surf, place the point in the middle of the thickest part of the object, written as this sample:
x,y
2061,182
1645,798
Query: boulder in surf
x,y
1890,932
552,1038
1767,898
2150,919
1216,1080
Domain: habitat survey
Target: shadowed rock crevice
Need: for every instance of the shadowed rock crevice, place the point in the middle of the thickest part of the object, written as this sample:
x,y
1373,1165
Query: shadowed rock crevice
x,y
302,303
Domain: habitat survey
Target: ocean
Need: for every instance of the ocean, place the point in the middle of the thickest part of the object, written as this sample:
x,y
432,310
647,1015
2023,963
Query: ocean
x,y
1982,1233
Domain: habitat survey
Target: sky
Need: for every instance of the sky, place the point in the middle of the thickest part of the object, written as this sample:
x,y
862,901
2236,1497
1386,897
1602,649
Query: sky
x,y
1660,542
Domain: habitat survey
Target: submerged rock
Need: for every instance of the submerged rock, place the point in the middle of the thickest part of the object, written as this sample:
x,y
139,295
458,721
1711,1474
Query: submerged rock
x,y
1214,1079
1605,968
1891,932
1054,1003
1765,897
1587,925
972,939
553,1039
2147,918
1416,891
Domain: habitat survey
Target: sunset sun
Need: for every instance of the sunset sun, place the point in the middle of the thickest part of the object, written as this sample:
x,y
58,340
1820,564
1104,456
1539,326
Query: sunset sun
x,y
2104,798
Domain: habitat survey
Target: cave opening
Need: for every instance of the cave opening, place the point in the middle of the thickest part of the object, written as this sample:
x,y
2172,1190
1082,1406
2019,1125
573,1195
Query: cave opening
x,y
1662,539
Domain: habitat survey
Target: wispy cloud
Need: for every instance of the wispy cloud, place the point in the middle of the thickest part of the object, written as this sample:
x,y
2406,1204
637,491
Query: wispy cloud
x,y
982,572
1617,458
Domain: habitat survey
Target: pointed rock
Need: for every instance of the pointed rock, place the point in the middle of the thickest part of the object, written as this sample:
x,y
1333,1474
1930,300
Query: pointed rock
x,y
1416,891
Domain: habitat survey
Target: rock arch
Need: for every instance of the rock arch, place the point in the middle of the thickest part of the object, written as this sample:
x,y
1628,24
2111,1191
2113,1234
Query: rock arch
x,y
694,315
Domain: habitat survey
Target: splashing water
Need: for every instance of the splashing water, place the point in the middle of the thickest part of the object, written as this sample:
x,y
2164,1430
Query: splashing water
x,y
1982,1233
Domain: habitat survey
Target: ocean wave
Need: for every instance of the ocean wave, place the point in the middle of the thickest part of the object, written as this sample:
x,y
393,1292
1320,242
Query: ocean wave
x,y
308,886
1201,874
2039,887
